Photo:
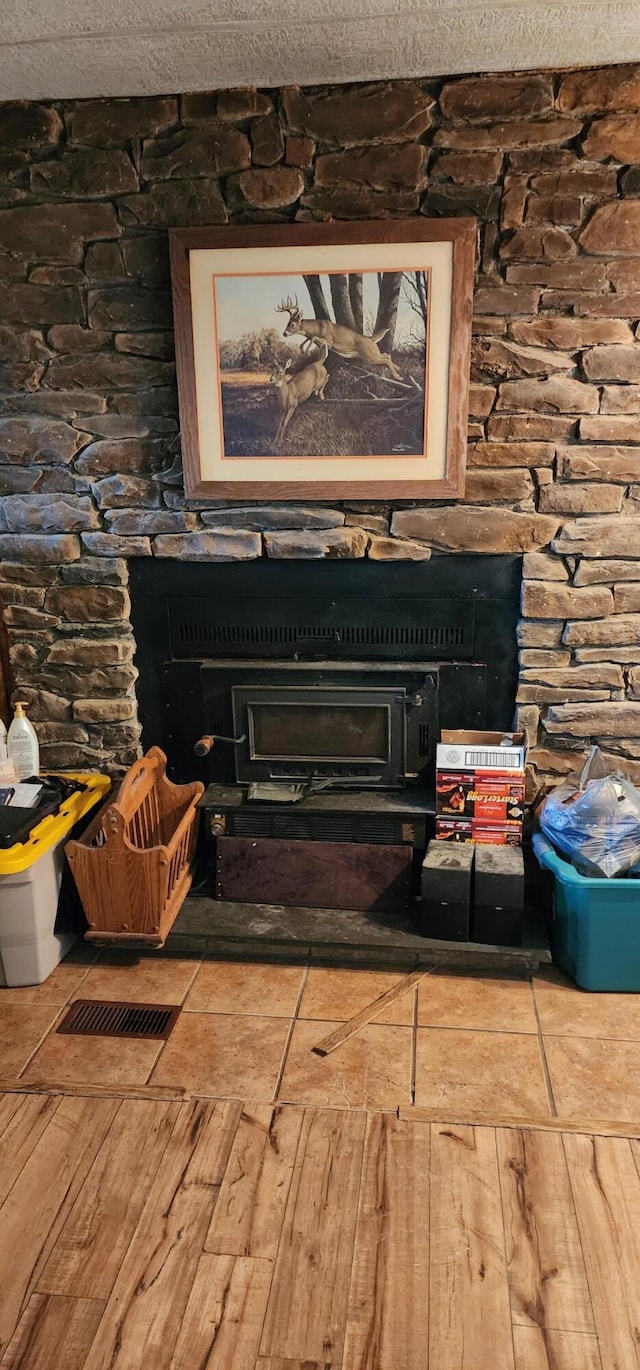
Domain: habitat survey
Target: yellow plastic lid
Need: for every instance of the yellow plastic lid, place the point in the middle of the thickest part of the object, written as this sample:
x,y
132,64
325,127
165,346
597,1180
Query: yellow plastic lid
x,y
56,826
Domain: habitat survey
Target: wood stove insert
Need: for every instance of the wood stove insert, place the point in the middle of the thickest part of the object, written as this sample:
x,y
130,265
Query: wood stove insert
x,y
327,682
331,675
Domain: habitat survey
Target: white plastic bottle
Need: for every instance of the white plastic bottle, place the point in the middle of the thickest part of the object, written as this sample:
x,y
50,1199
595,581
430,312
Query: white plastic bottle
x,y
3,743
22,744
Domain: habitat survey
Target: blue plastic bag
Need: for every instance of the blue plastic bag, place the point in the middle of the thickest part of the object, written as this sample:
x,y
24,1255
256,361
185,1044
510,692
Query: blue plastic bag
x,y
594,818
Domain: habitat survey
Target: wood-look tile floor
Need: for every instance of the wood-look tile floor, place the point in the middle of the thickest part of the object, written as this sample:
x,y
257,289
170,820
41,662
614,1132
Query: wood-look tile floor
x,y
457,1187
229,1235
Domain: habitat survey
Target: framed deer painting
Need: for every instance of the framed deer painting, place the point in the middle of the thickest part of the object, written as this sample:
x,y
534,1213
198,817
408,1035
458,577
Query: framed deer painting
x,y
324,361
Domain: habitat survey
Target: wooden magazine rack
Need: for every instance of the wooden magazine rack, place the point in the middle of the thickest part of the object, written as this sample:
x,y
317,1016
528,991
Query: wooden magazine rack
x,y
132,865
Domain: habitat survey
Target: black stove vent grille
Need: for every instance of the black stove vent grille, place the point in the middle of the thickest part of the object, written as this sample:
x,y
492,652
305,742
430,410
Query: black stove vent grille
x,y
319,827
202,629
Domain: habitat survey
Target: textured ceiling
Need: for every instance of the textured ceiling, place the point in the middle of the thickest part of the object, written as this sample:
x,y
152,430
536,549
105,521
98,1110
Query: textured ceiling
x,y
76,48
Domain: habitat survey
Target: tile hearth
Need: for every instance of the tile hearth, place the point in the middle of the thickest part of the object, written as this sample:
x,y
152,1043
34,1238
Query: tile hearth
x,y
505,1045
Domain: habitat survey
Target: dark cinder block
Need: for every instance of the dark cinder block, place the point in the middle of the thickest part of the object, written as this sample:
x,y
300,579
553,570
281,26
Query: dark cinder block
x,y
446,891
498,905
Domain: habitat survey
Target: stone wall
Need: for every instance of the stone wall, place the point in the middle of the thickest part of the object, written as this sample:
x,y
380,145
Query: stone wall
x,y
550,165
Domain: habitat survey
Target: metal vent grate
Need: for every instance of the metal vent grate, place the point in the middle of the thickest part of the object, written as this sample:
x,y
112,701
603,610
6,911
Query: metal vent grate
x,y
195,634
429,635
106,1018
319,828
242,634
244,628
250,825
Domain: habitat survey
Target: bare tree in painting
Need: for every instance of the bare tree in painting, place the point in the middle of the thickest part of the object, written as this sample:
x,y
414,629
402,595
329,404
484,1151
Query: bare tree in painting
x,y
317,297
341,301
390,283
415,284
357,303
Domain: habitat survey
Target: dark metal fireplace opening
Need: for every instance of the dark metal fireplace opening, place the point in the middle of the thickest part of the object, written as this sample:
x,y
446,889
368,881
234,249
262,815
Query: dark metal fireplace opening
x,y
324,686
328,674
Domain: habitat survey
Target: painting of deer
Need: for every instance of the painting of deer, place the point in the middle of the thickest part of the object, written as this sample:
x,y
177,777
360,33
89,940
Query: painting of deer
x,y
350,363
345,341
294,390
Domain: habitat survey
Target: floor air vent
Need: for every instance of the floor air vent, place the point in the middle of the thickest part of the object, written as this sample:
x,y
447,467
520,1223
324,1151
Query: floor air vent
x,y
105,1018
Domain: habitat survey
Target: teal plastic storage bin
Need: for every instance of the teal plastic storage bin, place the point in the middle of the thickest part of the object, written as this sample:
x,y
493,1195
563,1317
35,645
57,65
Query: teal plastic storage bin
x,y
595,934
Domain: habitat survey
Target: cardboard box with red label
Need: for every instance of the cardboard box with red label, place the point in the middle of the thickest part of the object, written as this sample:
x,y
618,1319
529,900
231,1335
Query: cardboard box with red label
x,y
477,794
480,778
479,831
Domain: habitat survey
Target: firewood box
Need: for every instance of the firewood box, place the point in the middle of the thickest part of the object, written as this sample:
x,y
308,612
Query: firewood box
x,y
132,866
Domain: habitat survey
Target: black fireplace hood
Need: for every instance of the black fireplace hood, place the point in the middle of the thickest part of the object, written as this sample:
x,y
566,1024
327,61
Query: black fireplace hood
x,y
455,610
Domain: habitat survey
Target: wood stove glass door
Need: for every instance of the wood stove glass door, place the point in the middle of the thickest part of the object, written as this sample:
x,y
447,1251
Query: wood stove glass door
x,y
350,735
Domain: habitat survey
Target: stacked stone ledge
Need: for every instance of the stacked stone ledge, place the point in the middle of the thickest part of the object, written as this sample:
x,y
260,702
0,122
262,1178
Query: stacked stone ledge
x,y
548,163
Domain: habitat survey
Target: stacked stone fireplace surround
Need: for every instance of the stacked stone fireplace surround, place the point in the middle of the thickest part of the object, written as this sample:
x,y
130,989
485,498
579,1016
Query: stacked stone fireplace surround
x,y
549,163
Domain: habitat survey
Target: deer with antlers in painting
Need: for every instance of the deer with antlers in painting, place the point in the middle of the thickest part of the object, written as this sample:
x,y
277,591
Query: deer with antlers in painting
x,y
337,338
294,390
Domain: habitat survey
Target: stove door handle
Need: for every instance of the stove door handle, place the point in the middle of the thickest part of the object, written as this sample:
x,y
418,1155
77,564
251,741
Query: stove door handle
x,y
205,744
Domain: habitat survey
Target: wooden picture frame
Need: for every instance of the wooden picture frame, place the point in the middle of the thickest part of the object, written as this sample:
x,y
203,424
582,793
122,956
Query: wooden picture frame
x,y
252,422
